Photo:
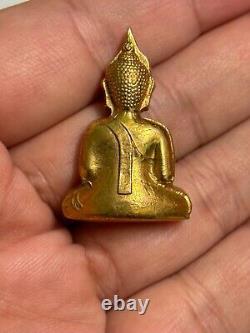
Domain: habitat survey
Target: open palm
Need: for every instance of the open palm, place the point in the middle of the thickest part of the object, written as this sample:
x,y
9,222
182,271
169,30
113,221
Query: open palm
x,y
196,273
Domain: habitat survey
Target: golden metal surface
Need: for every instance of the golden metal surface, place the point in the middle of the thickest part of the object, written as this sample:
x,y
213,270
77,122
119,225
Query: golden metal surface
x,y
126,161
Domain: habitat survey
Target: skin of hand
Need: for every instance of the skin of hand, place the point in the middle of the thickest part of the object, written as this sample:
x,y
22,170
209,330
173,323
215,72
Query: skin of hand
x,y
196,273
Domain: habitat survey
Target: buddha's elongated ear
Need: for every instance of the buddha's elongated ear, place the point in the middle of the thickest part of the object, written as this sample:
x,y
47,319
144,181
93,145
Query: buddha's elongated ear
x,y
146,101
109,103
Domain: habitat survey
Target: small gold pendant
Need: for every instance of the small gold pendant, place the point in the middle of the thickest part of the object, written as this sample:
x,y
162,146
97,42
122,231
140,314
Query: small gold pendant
x,y
126,161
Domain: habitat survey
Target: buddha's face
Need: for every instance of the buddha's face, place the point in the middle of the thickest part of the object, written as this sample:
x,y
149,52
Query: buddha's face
x,y
127,80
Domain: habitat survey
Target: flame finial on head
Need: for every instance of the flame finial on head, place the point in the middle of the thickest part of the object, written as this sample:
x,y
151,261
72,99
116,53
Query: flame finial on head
x,y
128,82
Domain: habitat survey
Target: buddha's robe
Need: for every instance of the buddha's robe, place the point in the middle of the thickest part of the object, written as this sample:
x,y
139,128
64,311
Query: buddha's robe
x,y
124,181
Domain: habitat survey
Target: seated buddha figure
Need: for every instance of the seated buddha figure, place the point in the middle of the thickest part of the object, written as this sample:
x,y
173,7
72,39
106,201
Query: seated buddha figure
x,y
126,161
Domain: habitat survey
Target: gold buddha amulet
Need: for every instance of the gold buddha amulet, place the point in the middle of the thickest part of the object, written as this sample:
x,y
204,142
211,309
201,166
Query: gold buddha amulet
x,y
127,162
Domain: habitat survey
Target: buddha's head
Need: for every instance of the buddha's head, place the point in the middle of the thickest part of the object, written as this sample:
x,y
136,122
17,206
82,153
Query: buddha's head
x,y
128,83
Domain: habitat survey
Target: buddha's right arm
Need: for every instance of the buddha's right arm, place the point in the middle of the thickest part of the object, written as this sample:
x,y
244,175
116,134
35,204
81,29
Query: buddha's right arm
x,y
166,153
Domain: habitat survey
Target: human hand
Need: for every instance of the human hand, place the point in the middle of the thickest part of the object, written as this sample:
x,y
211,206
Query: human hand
x,y
196,273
